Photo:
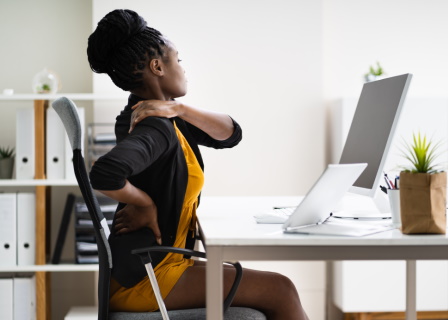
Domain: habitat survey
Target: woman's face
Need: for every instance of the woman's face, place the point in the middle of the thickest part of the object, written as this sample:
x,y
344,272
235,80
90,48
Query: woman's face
x,y
174,82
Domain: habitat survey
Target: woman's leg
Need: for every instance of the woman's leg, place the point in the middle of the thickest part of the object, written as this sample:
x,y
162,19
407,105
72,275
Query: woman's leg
x,y
273,294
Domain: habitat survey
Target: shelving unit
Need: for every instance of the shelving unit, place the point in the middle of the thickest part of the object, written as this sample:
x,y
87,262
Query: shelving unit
x,y
37,182
42,187
49,97
51,268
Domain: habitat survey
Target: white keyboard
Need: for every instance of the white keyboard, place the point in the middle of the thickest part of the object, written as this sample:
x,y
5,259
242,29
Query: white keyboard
x,y
277,215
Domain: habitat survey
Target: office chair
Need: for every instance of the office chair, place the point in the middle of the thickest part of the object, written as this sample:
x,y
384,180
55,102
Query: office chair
x,y
66,110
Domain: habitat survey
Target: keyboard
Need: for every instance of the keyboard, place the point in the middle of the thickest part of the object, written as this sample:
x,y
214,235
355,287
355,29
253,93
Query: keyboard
x,y
276,215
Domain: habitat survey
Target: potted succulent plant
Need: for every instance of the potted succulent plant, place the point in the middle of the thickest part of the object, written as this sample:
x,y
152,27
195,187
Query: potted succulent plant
x,y
6,162
374,73
422,188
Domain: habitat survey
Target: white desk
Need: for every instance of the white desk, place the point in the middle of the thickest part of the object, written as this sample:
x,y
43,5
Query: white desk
x,y
230,234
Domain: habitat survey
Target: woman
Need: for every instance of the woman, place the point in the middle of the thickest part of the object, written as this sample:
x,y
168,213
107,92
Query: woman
x,y
156,173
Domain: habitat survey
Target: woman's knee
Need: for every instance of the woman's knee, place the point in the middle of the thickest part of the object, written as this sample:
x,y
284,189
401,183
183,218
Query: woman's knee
x,y
271,283
284,284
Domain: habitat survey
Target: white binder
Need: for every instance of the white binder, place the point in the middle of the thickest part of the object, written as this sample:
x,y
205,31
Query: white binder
x,y
24,305
6,299
8,246
55,146
26,229
25,146
69,171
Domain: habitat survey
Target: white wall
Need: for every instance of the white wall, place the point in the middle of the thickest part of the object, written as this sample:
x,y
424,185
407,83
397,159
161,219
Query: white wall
x,y
39,34
405,36
259,61
44,33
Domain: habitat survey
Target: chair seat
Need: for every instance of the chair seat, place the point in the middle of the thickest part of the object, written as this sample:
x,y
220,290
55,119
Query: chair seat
x,y
233,313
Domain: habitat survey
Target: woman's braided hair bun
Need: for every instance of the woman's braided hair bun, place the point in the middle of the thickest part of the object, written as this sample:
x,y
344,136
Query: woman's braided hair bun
x,y
121,45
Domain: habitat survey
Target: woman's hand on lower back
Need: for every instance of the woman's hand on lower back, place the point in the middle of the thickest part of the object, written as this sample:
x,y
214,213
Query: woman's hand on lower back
x,y
132,218
140,211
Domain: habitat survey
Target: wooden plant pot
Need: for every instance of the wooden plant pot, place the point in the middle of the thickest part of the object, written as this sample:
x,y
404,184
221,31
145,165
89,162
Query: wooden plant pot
x,y
423,202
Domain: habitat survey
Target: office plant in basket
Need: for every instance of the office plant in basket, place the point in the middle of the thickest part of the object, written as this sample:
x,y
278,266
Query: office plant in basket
x,y
422,188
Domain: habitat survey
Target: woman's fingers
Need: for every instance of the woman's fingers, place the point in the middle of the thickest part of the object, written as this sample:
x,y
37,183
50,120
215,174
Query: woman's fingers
x,y
138,115
121,228
123,231
154,226
135,106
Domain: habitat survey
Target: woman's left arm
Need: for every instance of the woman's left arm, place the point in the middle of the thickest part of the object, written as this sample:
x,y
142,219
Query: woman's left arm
x,y
219,126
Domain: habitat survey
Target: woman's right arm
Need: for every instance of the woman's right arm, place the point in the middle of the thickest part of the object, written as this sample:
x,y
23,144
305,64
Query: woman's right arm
x,y
132,155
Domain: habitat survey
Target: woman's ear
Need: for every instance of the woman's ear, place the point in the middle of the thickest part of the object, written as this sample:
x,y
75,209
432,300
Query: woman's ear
x,y
156,67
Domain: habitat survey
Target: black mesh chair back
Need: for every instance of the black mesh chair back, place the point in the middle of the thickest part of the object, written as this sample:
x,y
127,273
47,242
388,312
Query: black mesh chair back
x,y
69,116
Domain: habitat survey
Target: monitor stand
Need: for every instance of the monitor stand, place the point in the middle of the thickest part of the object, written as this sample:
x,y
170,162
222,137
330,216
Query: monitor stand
x,y
355,206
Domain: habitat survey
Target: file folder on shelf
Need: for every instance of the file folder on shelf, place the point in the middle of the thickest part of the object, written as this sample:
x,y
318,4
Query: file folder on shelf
x,y
8,238
100,140
63,228
69,172
86,249
55,146
24,304
26,229
25,146
6,298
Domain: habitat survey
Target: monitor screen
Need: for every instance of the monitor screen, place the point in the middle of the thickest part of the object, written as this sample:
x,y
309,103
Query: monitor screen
x,y
372,129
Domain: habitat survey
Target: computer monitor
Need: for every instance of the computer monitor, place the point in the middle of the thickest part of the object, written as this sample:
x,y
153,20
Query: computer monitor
x,y
372,130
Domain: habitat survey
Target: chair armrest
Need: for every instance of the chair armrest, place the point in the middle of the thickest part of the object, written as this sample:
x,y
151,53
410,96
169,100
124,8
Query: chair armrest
x,y
145,256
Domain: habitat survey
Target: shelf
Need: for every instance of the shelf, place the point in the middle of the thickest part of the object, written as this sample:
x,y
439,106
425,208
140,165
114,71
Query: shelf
x,y
37,182
42,270
72,96
51,268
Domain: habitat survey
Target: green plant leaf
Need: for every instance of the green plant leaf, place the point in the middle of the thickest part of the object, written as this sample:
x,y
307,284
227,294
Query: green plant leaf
x,y
6,152
421,153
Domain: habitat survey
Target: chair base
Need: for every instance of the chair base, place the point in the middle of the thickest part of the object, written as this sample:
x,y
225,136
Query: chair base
x,y
233,313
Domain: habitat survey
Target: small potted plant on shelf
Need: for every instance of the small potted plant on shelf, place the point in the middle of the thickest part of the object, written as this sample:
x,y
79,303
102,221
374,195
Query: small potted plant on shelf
x,y
422,188
374,73
6,162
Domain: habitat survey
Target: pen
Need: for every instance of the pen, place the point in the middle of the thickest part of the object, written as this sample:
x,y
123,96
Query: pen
x,y
384,189
397,182
388,181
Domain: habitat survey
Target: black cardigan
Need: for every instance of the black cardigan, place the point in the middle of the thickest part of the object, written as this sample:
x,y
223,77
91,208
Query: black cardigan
x,y
152,159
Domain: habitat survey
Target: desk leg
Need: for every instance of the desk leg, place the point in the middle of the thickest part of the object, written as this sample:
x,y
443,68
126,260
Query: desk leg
x,y
214,279
411,290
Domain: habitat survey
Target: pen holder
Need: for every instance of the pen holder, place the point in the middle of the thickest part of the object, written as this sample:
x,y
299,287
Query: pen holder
x,y
394,202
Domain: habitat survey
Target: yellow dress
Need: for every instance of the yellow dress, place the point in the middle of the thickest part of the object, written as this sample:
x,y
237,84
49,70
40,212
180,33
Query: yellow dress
x,y
141,298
